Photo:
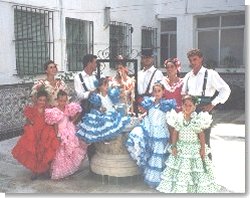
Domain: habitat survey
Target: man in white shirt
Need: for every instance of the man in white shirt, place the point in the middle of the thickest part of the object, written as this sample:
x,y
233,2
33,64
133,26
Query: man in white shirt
x,y
146,77
204,83
84,83
84,80
149,74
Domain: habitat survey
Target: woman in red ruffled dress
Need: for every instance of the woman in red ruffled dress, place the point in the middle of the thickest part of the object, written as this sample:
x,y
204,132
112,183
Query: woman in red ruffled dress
x,y
37,146
172,82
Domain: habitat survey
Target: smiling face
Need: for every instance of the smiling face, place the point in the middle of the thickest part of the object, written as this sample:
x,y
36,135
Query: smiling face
x,y
158,91
51,69
41,101
147,61
62,101
188,106
196,63
171,69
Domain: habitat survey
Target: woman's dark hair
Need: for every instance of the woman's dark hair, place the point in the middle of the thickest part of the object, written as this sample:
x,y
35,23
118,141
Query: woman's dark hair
x,y
121,60
87,59
48,63
173,61
61,93
41,93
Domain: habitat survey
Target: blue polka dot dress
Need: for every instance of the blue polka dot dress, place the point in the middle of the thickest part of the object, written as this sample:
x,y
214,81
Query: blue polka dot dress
x,y
147,143
98,126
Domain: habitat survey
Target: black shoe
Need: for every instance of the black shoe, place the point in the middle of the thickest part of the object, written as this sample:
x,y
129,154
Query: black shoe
x,y
34,177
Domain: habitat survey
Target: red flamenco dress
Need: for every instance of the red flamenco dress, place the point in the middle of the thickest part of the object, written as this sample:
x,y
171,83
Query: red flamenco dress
x,y
37,147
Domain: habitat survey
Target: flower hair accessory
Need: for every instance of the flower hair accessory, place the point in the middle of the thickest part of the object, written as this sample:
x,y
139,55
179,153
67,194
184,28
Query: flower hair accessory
x,y
158,82
175,61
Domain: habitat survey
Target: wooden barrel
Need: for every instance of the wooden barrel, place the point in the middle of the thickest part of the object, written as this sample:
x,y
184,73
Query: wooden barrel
x,y
112,158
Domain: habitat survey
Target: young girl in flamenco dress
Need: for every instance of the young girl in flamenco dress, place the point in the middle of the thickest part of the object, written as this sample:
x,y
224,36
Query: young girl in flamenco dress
x,y
188,168
104,121
72,151
37,147
146,143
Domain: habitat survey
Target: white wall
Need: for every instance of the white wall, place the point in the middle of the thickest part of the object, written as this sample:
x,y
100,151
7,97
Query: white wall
x,y
138,13
185,11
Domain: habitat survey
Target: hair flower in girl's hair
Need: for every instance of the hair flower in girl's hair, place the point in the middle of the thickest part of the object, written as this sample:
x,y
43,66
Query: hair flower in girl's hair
x,y
95,99
177,64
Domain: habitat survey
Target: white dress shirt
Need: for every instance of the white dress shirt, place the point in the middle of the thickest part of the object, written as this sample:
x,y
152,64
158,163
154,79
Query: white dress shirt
x,y
193,85
144,77
89,82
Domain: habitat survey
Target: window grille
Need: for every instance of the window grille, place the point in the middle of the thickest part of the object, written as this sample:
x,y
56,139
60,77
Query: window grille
x,y
149,40
79,42
120,40
34,39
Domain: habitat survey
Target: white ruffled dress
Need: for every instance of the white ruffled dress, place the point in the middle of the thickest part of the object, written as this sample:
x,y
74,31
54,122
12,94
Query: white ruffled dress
x,y
187,172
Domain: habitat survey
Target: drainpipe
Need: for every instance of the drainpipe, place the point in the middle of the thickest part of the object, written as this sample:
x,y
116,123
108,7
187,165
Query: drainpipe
x,y
186,6
61,33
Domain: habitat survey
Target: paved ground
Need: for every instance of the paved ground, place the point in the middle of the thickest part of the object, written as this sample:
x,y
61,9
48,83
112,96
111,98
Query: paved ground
x,y
228,148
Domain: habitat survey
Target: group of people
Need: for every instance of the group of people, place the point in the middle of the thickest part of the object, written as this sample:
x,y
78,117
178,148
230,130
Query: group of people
x,y
170,145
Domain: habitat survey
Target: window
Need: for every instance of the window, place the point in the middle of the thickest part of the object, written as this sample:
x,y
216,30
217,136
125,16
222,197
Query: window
x,y
79,42
168,39
149,39
120,40
34,39
221,39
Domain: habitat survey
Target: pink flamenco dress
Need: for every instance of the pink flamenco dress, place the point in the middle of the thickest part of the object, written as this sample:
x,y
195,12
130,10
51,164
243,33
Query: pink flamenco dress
x,y
72,150
37,147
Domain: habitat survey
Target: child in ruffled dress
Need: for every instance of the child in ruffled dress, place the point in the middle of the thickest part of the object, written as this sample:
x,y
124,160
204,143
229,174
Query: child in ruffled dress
x,y
72,151
38,145
188,168
103,122
146,143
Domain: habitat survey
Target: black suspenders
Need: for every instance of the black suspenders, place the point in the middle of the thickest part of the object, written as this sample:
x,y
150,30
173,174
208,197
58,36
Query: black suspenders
x,y
204,84
83,83
150,81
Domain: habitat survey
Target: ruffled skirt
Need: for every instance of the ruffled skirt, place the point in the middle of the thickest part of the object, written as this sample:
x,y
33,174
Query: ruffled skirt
x,y
98,127
187,172
36,148
148,149
69,156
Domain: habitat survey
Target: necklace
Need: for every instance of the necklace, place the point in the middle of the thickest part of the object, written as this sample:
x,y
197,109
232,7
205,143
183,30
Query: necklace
x,y
186,122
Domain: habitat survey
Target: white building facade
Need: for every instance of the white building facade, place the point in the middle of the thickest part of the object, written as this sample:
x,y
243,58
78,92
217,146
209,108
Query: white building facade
x,y
63,30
